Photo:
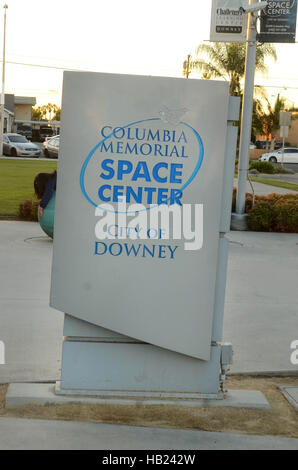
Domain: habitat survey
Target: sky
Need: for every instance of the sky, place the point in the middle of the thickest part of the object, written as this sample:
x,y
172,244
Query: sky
x,y
132,36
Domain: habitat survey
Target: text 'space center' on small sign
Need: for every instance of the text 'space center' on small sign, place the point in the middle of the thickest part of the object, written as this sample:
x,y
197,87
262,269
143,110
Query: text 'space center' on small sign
x,y
138,206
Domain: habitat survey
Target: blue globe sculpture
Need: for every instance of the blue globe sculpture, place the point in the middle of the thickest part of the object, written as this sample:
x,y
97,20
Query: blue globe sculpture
x,y
47,220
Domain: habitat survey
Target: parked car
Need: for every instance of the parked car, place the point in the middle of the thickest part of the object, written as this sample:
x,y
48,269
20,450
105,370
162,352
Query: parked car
x,y
45,132
278,144
261,144
17,145
51,147
290,156
26,131
252,146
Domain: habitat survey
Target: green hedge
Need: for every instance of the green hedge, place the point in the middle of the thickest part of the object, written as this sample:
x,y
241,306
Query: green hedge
x,y
262,167
272,213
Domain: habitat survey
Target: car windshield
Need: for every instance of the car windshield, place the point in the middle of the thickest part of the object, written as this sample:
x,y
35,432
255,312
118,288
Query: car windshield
x,y
17,138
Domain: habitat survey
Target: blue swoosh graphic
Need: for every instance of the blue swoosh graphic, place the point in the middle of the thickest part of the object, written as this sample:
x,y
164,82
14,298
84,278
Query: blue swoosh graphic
x,y
85,164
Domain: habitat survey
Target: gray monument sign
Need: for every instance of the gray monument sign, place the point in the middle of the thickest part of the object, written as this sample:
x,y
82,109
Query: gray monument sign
x,y
143,201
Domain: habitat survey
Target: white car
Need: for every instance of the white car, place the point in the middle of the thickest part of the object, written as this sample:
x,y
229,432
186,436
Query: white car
x,y
51,146
290,156
17,145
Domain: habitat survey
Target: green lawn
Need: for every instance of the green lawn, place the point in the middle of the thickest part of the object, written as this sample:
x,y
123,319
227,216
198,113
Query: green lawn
x,y
16,182
278,184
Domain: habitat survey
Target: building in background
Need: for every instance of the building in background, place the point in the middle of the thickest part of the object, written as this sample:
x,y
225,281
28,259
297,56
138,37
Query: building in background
x,y
17,108
23,107
8,120
8,113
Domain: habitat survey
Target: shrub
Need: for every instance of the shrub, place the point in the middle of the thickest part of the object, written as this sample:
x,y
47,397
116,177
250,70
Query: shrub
x,y
272,213
262,167
287,215
28,210
261,217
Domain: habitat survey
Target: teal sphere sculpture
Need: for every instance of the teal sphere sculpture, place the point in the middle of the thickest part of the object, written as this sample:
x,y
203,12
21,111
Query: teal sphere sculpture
x,y
47,220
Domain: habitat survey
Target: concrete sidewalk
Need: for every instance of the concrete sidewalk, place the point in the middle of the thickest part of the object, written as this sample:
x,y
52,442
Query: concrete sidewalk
x,y
264,189
31,330
261,305
261,309
261,317
19,434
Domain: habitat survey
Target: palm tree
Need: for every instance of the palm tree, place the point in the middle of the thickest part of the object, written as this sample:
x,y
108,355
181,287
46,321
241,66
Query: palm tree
x,y
268,123
47,112
256,124
227,61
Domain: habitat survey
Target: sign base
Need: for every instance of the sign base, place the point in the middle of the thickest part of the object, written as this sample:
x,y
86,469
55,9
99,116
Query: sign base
x,y
239,221
99,362
115,396
20,395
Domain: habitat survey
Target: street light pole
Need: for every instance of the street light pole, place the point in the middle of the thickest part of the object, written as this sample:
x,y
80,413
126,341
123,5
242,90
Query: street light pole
x,y
3,83
247,108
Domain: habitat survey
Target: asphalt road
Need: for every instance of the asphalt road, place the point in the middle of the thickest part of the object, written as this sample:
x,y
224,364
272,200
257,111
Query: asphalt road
x,y
289,166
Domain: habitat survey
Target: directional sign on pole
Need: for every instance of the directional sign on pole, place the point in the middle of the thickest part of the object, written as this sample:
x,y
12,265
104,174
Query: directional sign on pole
x,y
278,22
228,22
285,118
284,132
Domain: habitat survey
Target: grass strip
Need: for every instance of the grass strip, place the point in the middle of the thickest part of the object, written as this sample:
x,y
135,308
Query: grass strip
x,y
277,184
16,182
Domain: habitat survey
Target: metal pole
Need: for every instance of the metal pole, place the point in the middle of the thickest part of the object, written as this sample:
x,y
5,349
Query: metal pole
x,y
283,151
247,107
3,84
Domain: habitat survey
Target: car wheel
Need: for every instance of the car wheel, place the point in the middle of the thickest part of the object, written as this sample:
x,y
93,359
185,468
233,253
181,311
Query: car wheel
x,y
13,153
273,159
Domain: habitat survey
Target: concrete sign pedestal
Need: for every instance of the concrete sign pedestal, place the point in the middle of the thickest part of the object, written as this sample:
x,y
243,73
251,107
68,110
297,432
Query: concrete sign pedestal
x,y
99,362
20,395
